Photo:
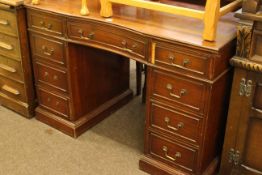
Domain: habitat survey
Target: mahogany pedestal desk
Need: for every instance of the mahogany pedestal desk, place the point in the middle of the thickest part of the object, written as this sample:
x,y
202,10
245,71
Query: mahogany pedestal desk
x,y
81,70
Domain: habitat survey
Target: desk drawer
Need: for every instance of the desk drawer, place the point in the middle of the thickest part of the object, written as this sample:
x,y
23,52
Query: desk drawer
x,y
49,49
11,68
9,46
181,59
45,22
8,23
172,153
12,89
52,102
183,93
51,76
176,123
121,40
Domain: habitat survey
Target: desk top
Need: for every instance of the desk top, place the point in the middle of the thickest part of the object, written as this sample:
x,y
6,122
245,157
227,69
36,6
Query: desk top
x,y
155,24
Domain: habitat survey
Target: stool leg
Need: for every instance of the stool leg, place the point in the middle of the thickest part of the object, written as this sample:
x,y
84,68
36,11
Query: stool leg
x,y
144,88
138,78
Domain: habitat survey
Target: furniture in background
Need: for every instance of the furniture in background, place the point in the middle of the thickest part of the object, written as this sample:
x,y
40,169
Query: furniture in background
x,y
81,66
242,151
16,82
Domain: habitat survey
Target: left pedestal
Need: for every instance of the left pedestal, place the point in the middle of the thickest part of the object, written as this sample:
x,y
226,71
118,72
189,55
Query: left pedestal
x,y
77,86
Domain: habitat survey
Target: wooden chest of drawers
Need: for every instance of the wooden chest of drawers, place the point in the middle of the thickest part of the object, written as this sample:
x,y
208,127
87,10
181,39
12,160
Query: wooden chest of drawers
x,y
16,84
242,151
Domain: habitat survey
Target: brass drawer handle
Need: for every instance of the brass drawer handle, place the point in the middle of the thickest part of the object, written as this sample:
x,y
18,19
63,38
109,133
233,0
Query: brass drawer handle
x,y
134,46
171,58
57,103
55,77
124,43
6,46
7,68
186,61
10,90
182,92
42,23
46,52
47,27
46,74
48,99
177,155
90,36
179,125
4,22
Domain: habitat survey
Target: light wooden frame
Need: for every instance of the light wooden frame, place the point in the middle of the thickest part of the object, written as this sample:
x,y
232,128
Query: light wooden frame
x,y
210,16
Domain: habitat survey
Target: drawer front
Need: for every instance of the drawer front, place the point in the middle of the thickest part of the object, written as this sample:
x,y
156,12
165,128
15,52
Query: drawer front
x,y
12,89
182,60
45,48
259,25
45,22
8,23
186,94
257,99
54,103
11,68
51,76
120,40
171,121
9,46
172,153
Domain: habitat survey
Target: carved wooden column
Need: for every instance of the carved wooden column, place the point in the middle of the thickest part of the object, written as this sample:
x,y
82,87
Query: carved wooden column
x,y
244,37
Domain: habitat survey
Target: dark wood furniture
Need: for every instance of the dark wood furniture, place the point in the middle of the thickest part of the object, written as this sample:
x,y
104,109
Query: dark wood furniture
x,y
16,82
242,151
81,70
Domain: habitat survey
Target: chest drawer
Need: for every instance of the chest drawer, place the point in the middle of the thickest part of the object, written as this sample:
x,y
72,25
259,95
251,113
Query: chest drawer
x,y
120,40
45,22
11,68
172,153
51,76
182,60
183,93
55,103
257,99
258,25
12,89
48,49
9,46
8,23
170,121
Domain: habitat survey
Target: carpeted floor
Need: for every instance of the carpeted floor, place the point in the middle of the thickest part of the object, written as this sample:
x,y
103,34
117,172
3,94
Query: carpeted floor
x,y
113,147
